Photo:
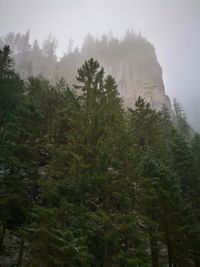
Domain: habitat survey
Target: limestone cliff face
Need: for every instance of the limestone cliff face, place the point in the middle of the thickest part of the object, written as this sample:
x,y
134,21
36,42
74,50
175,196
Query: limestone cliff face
x,y
131,61
134,65
139,79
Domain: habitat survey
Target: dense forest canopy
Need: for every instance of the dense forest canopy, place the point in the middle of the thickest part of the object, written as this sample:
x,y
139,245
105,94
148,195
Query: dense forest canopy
x,y
84,182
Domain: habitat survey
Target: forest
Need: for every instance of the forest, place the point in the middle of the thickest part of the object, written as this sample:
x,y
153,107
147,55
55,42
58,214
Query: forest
x,y
86,182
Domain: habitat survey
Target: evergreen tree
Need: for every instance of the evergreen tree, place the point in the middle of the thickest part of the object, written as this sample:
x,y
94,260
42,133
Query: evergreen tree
x,y
86,183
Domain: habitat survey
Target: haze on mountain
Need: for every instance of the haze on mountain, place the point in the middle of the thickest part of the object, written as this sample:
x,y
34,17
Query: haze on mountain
x,y
171,26
98,167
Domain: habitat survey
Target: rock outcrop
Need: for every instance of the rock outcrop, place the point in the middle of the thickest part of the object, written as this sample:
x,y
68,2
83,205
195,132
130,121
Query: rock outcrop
x,y
134,81
131,61
134,65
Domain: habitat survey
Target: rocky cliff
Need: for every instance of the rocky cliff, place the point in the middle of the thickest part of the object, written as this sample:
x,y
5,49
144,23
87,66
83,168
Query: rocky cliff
x,y
136,78
131,61
134,65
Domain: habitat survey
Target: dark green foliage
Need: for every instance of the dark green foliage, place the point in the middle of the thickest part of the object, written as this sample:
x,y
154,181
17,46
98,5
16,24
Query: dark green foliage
x,y
86,183
11,88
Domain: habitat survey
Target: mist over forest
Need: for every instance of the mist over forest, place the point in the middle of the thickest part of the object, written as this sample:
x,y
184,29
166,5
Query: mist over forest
x,y
99,159
41,58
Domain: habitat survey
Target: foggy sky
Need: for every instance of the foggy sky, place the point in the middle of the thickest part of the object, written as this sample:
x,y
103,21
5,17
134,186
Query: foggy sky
x,y
173,26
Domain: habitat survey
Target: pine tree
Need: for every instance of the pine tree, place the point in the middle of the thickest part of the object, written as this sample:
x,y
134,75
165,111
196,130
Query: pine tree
x,y
12,197
180,120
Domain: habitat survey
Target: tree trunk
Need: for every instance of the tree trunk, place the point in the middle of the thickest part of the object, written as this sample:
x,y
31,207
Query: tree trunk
x,y
21,252
154,252
2,235
169,250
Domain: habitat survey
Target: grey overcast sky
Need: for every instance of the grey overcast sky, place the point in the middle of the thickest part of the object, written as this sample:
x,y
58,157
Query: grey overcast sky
x,y
173,26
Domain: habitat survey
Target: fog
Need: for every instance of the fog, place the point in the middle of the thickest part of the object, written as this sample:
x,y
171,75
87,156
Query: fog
x,y
172,26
